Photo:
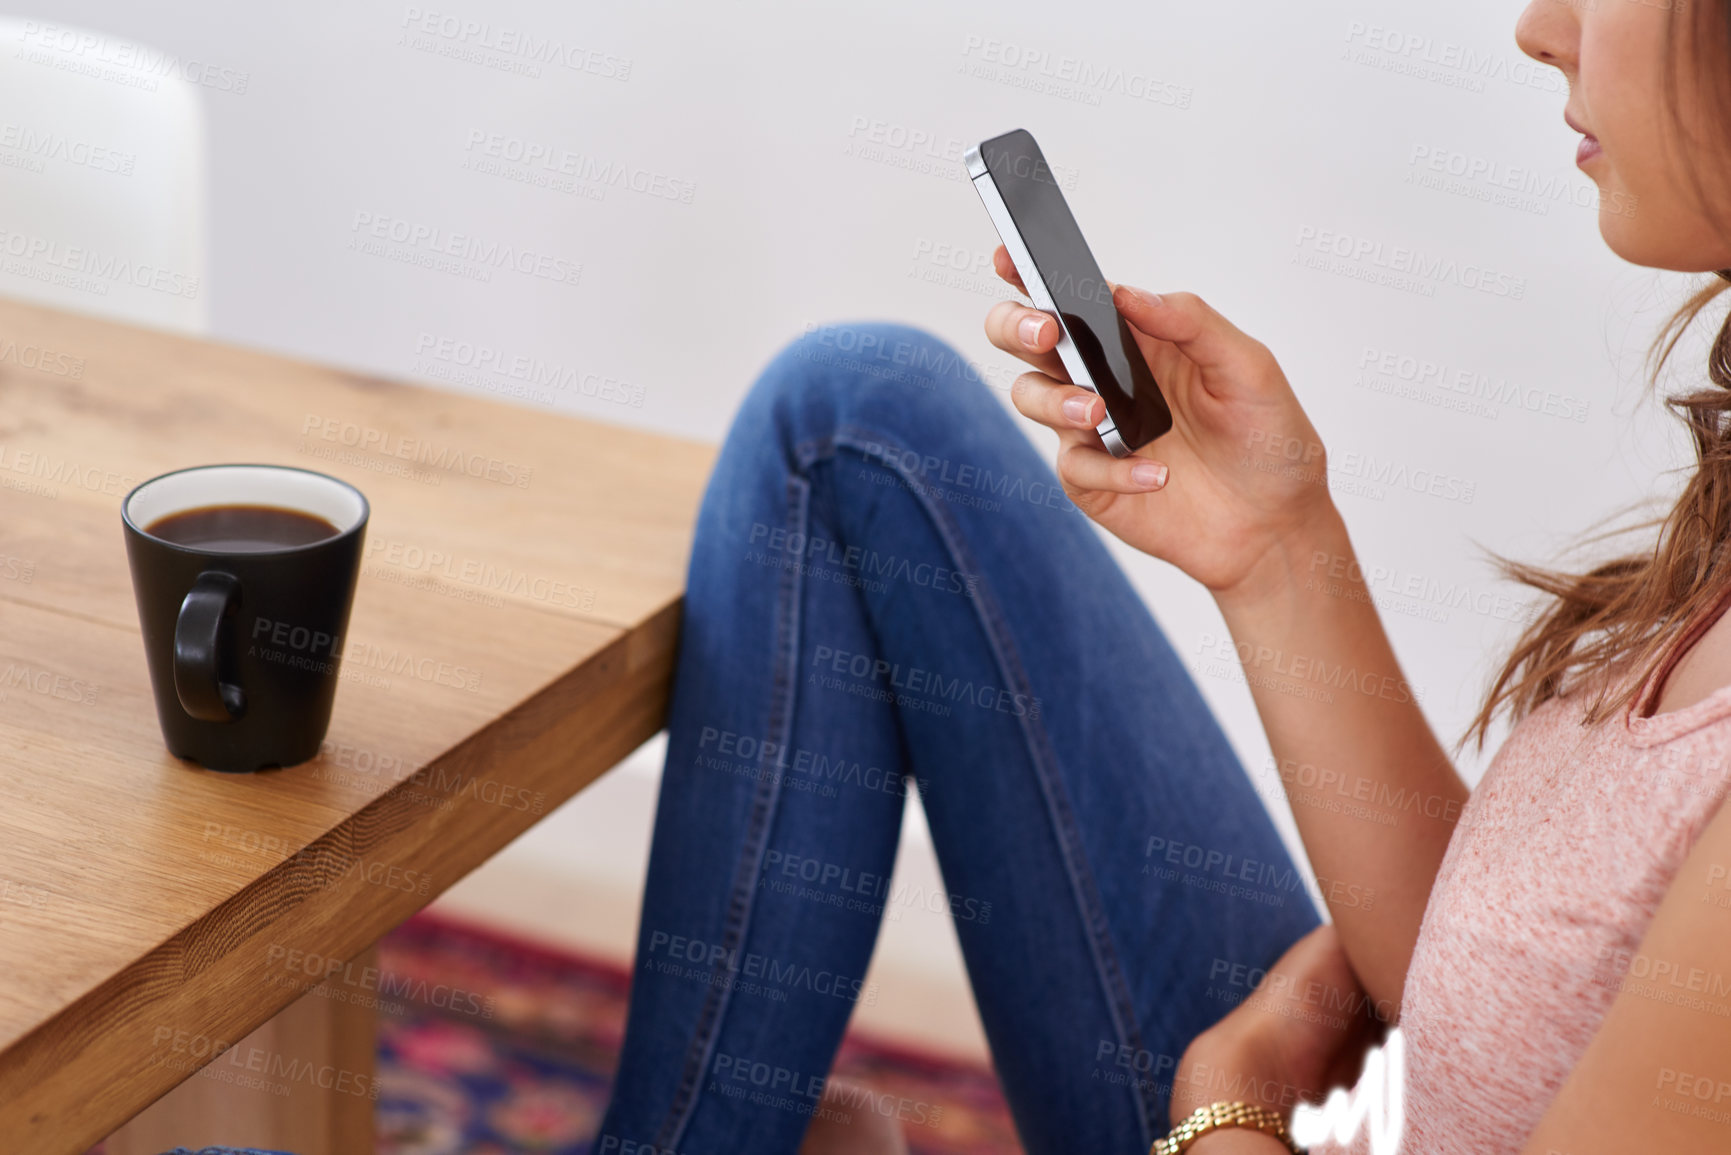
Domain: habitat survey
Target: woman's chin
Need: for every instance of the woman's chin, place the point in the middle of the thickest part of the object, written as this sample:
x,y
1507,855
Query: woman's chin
x,y
1651,245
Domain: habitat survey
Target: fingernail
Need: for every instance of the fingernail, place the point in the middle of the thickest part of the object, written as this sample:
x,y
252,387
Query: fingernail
x,y
1077,408
1148,474
1029,330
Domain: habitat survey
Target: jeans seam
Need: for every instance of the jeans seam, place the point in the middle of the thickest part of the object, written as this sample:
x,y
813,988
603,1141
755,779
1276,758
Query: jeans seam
x,y
1109,971
741,898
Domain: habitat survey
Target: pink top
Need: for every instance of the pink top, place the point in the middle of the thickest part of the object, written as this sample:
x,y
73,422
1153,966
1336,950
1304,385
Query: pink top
x,y
1556,868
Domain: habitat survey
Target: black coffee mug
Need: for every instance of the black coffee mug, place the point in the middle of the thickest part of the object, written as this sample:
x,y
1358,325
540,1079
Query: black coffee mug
x,y
243,640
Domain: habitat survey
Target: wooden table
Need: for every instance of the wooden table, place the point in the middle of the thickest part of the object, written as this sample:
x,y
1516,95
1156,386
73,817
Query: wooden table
x,y
512,638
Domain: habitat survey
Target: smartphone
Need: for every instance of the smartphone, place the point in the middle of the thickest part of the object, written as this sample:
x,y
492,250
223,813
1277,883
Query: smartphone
x,y
1097,347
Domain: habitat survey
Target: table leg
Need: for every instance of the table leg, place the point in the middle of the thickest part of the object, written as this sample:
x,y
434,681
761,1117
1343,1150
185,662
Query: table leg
x,y
303,1082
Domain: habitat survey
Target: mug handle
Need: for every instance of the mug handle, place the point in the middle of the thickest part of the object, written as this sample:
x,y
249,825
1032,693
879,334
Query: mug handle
x,y
212,599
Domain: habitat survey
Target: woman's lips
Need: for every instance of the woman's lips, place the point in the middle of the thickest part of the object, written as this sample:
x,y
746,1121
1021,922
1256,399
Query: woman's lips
x,y
1589,147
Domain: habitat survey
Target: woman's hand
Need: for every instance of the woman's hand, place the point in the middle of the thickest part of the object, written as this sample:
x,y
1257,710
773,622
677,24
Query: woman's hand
x,y
1242,472
1303,1030
1236,496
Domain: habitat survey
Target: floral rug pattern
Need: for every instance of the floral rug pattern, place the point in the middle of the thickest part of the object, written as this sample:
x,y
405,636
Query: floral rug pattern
x,y
497,1047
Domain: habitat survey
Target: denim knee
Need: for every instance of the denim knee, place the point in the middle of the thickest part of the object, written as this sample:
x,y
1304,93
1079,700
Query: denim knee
x,y
871,379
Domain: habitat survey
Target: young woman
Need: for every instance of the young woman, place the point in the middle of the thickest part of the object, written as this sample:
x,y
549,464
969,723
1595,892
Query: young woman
x,y
888,589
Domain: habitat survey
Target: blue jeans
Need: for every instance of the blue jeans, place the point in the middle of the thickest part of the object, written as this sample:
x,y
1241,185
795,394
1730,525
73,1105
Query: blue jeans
x,y
889,590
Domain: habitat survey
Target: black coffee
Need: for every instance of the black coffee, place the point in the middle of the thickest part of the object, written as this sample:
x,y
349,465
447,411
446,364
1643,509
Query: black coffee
x,y
242,528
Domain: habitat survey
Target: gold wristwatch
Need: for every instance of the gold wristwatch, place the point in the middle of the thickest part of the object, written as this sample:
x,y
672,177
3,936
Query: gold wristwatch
x,y
1217,1116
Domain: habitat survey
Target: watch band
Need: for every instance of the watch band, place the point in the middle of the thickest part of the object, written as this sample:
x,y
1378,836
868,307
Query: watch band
x,y
1217,1116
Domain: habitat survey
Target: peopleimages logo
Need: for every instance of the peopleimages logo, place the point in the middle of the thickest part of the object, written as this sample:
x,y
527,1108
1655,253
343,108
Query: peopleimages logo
x,y
87,269
1471,390
1070,77
89,52
1458,65
42,145
555,160
427,29
1399,266
423,244
532,371
1516,186
41,359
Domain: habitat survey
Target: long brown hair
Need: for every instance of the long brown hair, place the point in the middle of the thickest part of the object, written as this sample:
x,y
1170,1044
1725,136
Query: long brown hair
x,y
1619,623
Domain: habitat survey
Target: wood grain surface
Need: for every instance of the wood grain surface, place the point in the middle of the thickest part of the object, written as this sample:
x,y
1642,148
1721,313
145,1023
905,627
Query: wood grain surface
x,y
512,637
303,1082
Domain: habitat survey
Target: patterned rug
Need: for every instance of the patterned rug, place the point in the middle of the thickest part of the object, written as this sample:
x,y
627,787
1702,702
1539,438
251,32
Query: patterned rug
x,y
497,1046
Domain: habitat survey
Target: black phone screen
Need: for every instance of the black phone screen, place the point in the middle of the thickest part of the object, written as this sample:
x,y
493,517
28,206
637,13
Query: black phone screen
x,y
1084,300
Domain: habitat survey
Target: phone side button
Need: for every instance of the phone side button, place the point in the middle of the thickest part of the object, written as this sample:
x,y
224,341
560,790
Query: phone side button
x,y
1114,443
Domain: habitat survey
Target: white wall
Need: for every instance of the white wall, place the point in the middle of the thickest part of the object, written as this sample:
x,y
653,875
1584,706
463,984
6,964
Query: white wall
x,y
820,143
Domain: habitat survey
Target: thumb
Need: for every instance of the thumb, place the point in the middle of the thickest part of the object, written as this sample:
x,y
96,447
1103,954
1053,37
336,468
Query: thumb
x,y
1187,321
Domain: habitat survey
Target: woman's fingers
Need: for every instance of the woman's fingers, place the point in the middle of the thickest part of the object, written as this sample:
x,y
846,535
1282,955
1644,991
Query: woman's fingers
x,y
1084,467
1056,404
1028,334
1006,268
1083,463
1190,324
